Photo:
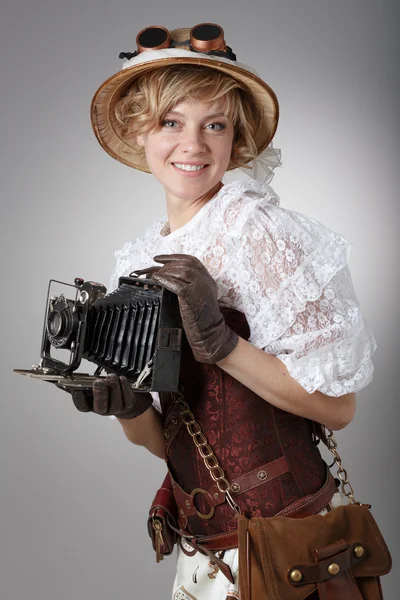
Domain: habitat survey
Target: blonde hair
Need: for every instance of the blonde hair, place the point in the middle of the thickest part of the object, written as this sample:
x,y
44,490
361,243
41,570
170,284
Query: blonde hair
x,y
151,95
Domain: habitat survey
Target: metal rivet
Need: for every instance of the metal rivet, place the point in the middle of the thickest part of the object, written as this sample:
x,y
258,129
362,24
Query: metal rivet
x,y
187,503
216,495
174,420
182,512
359,551
262,475
296,575
333,569
235,487
166,433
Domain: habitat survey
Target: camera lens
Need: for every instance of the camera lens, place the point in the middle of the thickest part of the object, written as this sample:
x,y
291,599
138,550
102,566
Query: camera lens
x,y
55,323
62,322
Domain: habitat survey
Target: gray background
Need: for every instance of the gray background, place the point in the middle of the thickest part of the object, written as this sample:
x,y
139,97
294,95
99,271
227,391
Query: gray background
x,y
74,492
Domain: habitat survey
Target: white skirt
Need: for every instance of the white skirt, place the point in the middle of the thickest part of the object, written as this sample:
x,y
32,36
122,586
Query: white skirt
x,y
197,578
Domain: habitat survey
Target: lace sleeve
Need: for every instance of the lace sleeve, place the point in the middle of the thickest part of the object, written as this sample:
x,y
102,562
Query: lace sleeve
x,y
123,265
300,302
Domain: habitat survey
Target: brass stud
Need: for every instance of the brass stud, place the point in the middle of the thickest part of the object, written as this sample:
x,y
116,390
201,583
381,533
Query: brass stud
x,y
262,475
333,569
166,433
359,551
187,503
235,487
216,495
296,575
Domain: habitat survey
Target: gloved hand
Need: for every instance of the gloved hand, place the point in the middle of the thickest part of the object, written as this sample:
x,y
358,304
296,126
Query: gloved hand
x,y
209,336
111,396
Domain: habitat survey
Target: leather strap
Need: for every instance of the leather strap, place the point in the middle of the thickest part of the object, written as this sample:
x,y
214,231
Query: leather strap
x,y
314,503
331,586
257,477
194,543
340,553
214,497
305,507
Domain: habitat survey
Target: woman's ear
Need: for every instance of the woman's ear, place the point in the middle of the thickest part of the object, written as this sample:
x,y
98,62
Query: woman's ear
x,y
140,140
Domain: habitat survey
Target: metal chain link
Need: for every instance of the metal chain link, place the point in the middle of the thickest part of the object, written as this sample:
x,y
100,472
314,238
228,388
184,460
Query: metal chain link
x,y
216,471
341,471
205,450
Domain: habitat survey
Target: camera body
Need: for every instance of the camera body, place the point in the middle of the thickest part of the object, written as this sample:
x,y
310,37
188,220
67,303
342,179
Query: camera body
x,y
135,331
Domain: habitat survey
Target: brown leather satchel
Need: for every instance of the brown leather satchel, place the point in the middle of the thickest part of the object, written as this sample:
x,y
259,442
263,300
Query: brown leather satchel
x,y
337,556
341,555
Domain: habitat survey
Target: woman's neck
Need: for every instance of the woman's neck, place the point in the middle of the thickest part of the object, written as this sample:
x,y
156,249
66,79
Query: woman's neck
x,y
182,213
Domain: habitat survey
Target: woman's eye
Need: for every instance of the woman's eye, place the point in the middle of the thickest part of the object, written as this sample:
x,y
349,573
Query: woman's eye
x,y
216,126
169,123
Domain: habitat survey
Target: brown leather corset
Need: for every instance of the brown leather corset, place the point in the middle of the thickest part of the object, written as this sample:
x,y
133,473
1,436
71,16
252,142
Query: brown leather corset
x,y
269,455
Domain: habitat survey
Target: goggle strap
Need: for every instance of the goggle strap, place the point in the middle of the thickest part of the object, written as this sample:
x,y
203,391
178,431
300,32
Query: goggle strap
x,y
228,54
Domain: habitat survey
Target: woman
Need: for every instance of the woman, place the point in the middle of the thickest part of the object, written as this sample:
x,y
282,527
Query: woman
x,y
276,343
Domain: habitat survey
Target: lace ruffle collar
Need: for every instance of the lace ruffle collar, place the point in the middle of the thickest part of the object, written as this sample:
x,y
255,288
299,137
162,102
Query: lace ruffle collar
x,y
228,193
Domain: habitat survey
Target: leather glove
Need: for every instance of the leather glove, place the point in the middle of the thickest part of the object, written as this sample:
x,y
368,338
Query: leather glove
x,y
209,336
112,396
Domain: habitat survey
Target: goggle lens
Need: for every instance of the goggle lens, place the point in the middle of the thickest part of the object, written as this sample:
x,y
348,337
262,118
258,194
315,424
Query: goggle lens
x,y
152,37
206,33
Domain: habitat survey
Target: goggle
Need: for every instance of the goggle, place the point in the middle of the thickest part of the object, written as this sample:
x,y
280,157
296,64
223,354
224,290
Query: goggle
x,y
207,38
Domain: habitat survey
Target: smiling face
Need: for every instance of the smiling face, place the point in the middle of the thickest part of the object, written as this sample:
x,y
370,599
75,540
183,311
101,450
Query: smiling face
x,y
190,151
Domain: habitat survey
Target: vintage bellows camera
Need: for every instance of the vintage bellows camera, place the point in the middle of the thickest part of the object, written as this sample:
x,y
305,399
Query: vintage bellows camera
x,y
135,331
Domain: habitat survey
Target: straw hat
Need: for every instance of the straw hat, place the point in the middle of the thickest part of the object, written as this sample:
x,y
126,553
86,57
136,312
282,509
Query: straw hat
x,y
107,128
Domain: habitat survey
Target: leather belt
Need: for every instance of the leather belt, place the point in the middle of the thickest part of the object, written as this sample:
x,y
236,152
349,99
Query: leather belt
x,y
258,476
304,507
214,497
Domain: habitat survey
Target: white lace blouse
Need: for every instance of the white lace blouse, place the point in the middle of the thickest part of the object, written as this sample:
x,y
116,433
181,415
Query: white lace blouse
x,y
285,271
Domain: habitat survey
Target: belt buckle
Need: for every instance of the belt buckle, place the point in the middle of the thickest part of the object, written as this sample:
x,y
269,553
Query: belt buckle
x,y
199,514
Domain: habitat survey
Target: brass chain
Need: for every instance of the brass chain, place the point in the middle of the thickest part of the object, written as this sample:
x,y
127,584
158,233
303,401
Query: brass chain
x,y
341,471
205,450
216,471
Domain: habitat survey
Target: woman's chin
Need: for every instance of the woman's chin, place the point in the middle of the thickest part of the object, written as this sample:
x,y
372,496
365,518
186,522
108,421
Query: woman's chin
x,y
191,189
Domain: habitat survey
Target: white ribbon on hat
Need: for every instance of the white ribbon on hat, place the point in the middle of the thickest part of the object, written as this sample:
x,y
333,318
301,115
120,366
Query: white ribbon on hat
x,y
261,168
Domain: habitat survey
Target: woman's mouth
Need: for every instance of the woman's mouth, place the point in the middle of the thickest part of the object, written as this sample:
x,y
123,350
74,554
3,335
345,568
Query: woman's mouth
x,y
187,169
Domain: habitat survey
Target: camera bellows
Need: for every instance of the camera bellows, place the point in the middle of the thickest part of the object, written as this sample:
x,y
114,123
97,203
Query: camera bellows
x,y
122,335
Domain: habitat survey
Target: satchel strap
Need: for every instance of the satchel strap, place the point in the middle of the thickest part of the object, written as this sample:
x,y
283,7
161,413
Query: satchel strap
x,y
341,471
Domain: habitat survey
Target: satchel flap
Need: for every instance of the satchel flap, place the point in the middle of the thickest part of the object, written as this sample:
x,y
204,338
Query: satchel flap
x,y
278,544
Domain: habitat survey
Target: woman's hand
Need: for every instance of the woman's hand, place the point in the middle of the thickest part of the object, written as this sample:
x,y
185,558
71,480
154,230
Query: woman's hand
x,y
209,336
112,396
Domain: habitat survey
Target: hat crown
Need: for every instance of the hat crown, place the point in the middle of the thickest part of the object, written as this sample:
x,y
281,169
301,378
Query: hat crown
x,y
180,36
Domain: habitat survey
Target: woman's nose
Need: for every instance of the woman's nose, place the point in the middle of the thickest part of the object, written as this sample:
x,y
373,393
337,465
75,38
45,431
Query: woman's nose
x,y
193,142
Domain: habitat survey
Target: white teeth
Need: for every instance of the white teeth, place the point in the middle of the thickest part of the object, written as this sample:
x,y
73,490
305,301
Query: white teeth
x,y
189,167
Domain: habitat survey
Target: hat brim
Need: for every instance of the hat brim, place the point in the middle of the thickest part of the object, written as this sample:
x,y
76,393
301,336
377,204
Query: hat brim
x,y
107,128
